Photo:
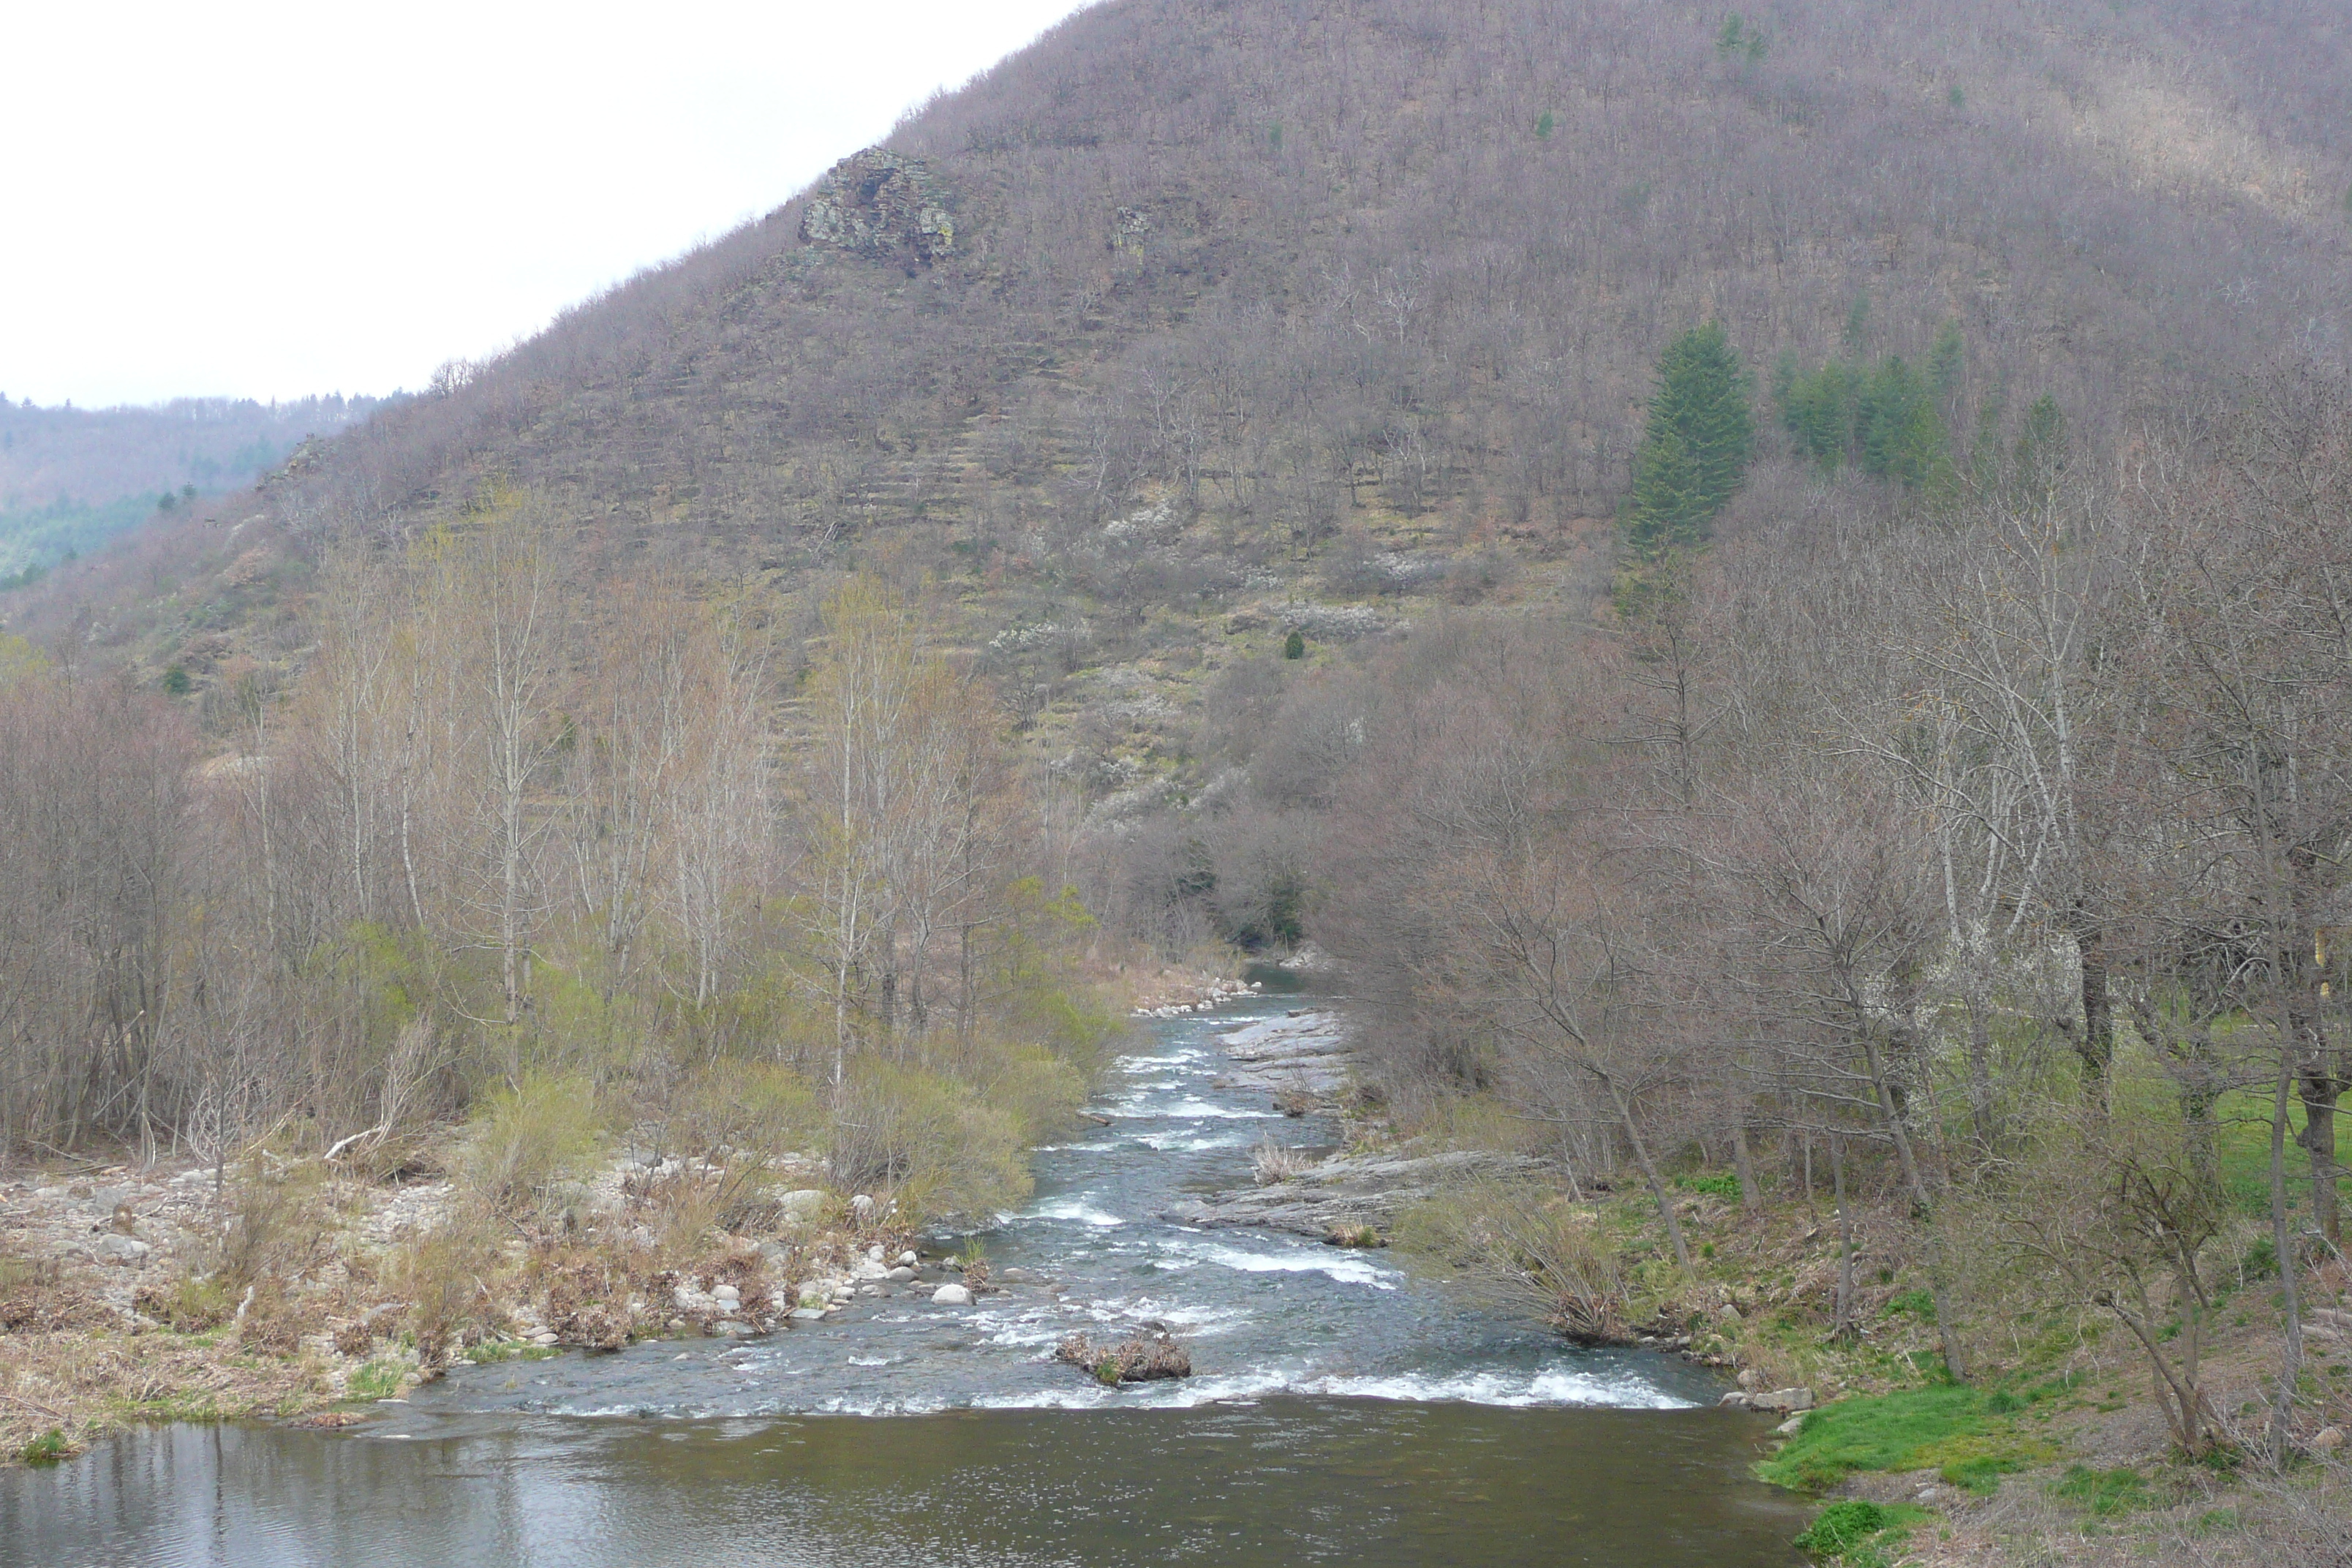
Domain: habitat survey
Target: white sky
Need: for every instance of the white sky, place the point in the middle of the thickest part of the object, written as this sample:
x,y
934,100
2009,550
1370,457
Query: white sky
x,y
260,199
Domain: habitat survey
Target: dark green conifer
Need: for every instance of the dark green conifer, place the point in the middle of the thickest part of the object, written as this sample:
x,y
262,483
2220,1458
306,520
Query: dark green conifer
x,y
1695,446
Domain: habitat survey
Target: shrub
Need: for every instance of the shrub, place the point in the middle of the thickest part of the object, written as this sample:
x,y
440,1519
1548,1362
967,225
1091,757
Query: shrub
x,y
940,1149
528,1139
1525,1247
276,1225
443,1278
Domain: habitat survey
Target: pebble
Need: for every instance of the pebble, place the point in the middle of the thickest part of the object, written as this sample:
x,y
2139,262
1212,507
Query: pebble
x,y
908,1259
900,1275
726,1293
952,1296
806,1314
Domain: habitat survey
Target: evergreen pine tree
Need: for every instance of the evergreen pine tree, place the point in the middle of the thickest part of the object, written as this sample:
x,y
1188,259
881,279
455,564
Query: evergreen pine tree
x,y
1695,446
1945,360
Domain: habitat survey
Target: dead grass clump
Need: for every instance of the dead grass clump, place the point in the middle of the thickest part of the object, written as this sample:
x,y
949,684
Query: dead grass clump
x,y
1271,1162
593,1294
35,1296
445,1278
192,1304
271,1319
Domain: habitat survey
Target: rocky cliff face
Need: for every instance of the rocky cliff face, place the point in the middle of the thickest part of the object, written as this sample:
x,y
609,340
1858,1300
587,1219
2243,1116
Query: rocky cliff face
x,y
878,203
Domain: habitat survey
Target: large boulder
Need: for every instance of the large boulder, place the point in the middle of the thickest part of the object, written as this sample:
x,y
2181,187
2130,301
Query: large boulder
x,y
1153,1353
807,1203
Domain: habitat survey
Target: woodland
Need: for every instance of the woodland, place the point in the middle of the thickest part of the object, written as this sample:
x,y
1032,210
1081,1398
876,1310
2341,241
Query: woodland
x,y
1775,589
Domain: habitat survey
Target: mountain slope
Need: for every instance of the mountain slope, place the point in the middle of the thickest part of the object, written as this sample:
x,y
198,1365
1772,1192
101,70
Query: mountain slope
x,y
1281,282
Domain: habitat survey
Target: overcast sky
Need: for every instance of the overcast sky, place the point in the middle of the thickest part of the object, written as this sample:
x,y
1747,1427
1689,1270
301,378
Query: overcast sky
x,y
266,200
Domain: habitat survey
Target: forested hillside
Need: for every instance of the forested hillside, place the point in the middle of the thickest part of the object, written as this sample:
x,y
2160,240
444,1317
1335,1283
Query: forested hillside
x,y
73,478
1771,584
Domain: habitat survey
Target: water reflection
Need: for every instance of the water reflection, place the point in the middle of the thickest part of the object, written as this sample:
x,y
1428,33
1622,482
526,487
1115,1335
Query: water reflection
x,y
1286,1481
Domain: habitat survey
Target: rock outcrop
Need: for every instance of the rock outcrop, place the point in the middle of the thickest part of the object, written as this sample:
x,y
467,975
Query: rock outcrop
x,y
879,203
1153,1353
1343,1199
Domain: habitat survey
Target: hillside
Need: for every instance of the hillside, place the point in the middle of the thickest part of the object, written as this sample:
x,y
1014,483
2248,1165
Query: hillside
x,y
1395,269
72,479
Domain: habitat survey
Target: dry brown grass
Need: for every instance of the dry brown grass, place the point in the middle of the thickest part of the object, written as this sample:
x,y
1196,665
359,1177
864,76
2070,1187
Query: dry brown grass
x,y
85,1383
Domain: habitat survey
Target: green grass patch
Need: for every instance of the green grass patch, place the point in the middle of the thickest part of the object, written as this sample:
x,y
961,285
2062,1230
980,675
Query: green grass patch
x,y
1918,1303
376,1380
1947,1428
46,1449
2104,1493
1860,1535
1722,1185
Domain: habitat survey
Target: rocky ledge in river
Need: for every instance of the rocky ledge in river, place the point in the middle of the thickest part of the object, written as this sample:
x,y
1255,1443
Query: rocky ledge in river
x,y
1303,1059
1349,1198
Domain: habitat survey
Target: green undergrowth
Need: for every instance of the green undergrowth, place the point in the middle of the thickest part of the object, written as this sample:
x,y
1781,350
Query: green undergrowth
x,y
48,1448
376,1380
1953,1430
2104,1493
1860,1535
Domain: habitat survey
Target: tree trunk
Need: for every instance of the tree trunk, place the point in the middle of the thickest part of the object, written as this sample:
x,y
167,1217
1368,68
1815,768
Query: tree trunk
x,y
2321,1088
2097,1045
1842,1319
1751,1195
2283,1241
1650,1173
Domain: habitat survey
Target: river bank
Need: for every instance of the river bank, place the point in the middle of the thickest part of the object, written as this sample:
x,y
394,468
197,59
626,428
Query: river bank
x,y
1340,1407
2057,1453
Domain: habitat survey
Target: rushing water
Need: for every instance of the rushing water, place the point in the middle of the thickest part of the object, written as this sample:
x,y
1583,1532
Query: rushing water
x,y
1341,1411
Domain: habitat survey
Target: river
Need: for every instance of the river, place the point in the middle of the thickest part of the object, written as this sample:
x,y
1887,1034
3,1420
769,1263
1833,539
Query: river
x,y
1341,1411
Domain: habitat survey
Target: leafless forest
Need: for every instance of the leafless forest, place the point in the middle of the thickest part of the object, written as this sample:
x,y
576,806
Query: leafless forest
x,y
736,675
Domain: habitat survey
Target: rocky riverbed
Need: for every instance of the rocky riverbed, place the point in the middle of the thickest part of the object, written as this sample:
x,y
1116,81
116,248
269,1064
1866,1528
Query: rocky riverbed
x,y
1303,1061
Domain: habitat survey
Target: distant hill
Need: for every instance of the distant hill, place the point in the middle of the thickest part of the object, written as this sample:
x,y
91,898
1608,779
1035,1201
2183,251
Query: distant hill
x,y
72,478
1201,304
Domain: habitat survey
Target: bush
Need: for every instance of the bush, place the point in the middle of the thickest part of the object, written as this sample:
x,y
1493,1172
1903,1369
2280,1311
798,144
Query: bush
x,y
928,1141
276,1225
527,1139
443,1278
1524,1247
